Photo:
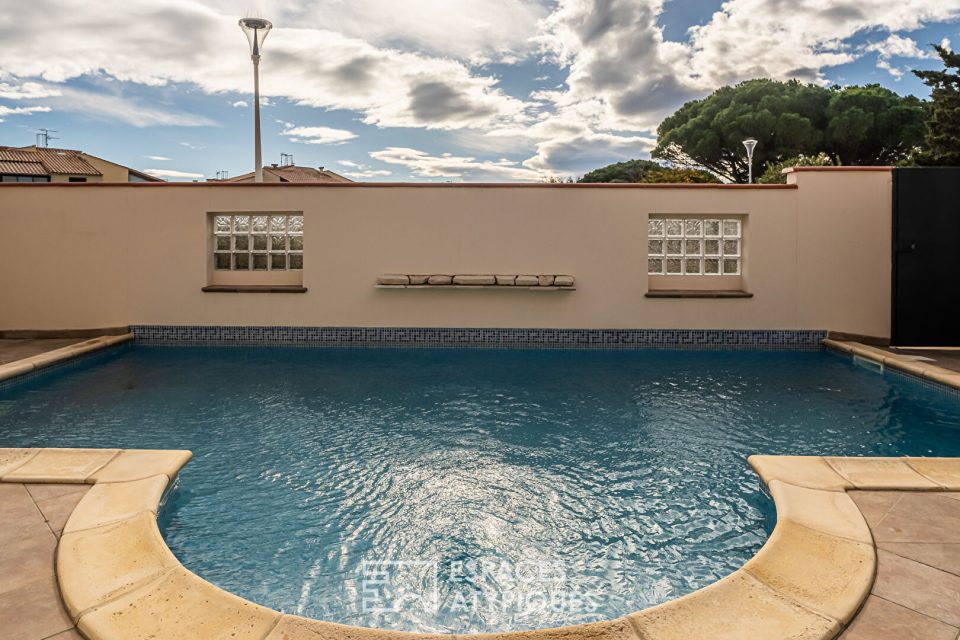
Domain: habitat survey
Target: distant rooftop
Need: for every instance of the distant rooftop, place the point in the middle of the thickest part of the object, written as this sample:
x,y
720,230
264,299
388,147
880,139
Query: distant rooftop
x,y
45,161
291,173
48,161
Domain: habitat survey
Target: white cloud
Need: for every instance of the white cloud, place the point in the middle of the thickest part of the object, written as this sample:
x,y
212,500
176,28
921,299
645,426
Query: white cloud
x,y
475,30
316,135
897,47
171,173
770,38
425,165
21,111
190,145
624,75
366,175
240,104
112,106
158,158
361,171
25,90
133,41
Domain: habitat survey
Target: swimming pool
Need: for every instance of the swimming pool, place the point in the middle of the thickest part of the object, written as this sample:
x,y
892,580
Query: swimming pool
x,y
472,490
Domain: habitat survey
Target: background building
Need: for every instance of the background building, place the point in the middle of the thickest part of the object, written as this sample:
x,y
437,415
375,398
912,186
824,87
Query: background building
x,y
291,173
45,164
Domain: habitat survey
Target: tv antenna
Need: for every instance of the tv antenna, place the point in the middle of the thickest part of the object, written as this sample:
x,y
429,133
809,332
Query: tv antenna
x,y
44,137
286,159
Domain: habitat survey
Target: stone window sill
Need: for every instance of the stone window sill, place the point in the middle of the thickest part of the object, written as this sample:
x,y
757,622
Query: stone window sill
x,y
254,288
683,293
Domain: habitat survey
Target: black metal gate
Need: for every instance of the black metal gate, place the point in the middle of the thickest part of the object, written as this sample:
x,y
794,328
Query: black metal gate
x,y
926,257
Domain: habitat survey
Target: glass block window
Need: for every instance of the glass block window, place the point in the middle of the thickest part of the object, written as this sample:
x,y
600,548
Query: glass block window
x,y
694,246
252,242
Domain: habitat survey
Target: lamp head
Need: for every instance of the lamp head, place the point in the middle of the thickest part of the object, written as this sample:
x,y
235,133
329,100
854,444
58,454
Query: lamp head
x,y
750,144
256,30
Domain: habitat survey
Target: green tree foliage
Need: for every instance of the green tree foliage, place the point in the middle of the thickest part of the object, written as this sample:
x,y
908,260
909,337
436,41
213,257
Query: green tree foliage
x,y
943,128
872,125
773,173
853,125
647,171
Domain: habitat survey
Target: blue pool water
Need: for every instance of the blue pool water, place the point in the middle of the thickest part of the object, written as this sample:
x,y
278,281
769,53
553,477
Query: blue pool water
x,y
515,488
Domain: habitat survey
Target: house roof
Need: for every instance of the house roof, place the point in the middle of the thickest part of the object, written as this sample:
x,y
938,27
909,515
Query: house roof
x,y
21,168
46,161
292,173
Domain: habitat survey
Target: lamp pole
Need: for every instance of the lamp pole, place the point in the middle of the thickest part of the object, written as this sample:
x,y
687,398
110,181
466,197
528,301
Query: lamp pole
x,y
750,144
256,30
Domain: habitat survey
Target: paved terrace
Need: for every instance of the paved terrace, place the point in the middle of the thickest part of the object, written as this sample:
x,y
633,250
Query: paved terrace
x,y
32,517
117,580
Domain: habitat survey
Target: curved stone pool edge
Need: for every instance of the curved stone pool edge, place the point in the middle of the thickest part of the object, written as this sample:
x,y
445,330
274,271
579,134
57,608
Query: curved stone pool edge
x,y
119,580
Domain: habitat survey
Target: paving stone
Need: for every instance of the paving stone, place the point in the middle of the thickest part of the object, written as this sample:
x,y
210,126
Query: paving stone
x,y
11,458
883,620
53,490
804,471
61,465
736,608
921,517
142,463
916,586
943,556
19,516
829,575
879,473
46,616
56,511
26,560
97,565
830,512
109,502
179,606
874,505
72,634
619,629
943,471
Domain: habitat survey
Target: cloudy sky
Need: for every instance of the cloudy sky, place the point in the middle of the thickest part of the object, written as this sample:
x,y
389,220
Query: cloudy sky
x,y
444,90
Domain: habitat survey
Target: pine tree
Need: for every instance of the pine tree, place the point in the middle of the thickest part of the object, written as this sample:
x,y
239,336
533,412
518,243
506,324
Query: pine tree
x,y
943,126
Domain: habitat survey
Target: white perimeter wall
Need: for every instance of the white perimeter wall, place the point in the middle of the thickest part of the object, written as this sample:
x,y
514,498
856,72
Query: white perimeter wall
x,y
817,254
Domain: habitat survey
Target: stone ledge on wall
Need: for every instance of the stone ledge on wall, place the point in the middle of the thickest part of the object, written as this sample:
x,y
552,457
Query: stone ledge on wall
x,y
546,282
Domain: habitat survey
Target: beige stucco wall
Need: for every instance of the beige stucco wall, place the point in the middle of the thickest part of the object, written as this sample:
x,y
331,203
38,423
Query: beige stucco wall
x,y
111,171
60,177
82,256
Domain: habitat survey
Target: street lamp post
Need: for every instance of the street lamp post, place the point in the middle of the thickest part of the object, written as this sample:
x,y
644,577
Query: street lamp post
x,y
750,144
256,30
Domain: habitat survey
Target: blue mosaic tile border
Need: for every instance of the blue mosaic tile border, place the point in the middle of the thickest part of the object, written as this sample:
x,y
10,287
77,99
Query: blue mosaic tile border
x,y
82,360
477,337
924,382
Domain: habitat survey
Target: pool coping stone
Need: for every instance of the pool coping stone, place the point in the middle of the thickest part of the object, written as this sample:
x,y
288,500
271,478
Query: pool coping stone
x,y
26,366
901,362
